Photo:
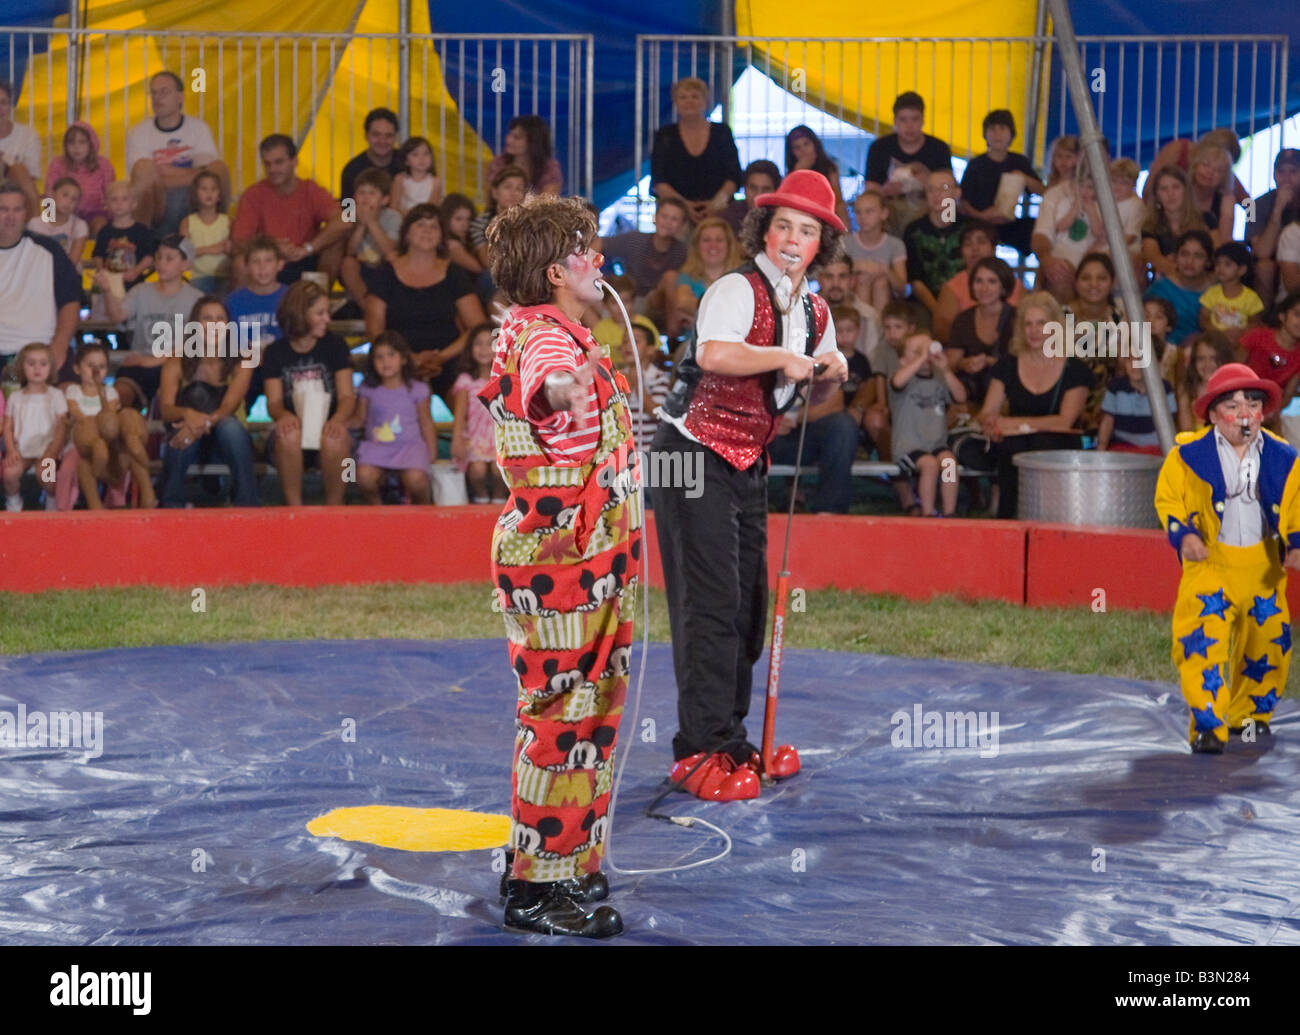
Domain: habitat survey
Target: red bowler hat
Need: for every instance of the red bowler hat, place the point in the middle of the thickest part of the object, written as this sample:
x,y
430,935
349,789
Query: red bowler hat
x,y
809,192
1233,376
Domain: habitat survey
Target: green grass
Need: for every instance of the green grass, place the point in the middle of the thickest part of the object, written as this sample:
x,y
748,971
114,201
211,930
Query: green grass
x,y
1120,643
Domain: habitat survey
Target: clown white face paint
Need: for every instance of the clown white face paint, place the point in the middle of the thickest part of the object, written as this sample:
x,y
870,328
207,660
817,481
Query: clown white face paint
x,y
792,241
1238,418
583,275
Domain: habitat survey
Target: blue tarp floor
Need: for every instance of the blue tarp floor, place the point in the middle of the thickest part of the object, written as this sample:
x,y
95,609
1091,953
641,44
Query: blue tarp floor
x,y
1080,817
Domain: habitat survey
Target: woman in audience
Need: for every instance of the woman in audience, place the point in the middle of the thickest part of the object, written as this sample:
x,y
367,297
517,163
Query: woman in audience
x,y
199,399
1177,154
694,159
528,145
981,333
456,214
424,297
1210,180
1043,395
507,190
977,242
712,252
1171,213
1207,351
804,150
1094,303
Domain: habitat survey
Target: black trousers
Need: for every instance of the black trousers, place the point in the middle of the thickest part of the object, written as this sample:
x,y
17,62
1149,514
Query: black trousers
x,y
714,553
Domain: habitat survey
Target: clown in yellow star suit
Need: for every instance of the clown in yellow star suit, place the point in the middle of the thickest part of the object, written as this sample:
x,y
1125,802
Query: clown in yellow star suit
x,y
1231,631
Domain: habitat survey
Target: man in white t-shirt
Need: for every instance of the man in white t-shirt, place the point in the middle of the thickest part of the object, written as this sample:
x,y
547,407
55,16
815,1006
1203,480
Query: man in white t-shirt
x,y
20,151
165,153
40,289
1288,260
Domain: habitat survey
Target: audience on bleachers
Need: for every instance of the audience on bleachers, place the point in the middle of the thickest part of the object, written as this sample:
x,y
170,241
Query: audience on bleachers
x,y
305,220
1206,352
381,128
646,257
528,146
199,397
40,288
393,410
1274,211
933,242
166,152
151,308
208,228
804,150
977,241
309,395
1127,424
996,181
473,445
1043,393
20,152
416,279
93,172
695,160
761,177
981,332
879,258
63,224
425,298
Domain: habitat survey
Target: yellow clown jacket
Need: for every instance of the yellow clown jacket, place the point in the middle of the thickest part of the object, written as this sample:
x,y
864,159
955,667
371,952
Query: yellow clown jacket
x,y
1191,495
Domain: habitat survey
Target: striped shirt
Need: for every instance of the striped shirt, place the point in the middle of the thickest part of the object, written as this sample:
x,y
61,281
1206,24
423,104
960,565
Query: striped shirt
x,y
549,350
655,383
1134,425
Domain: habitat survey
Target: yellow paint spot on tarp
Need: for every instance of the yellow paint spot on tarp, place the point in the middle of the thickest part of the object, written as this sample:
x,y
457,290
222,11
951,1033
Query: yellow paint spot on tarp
x,y
414,830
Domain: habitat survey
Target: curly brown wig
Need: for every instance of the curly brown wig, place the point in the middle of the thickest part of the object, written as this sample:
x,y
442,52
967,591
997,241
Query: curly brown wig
x,y
755,226
524,242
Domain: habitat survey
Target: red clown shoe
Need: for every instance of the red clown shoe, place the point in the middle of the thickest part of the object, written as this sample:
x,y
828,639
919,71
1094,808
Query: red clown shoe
x,y
718,778
785,762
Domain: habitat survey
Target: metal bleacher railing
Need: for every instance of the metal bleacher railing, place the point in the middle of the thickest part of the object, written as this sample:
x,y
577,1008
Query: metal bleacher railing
x,y
319,85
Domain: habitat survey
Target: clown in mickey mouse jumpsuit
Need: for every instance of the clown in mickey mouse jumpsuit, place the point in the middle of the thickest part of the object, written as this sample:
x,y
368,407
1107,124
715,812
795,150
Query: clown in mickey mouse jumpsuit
x,y
1229,497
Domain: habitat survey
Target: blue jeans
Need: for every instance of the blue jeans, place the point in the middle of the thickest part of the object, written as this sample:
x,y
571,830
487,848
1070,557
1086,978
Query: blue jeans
x,y
830,443
228,440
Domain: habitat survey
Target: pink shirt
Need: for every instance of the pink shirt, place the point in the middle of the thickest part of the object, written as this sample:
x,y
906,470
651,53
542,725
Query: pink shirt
x,y
94,184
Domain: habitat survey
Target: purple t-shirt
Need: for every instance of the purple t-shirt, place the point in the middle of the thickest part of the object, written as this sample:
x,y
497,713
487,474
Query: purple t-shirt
x,y
392,437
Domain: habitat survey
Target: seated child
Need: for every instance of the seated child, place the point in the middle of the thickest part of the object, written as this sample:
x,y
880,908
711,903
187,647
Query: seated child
x,y
373,240
473,442
63,224
654,382
208,229
109,441
1206,352
920,392
256,304
1127,425
1229,306
123,247
393,407
35,431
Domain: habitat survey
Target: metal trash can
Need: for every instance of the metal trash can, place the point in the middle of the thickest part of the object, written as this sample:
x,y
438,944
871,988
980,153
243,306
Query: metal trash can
x,y
1088,487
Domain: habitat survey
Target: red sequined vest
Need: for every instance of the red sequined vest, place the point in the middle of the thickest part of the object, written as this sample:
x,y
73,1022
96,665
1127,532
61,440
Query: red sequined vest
x,y
737,417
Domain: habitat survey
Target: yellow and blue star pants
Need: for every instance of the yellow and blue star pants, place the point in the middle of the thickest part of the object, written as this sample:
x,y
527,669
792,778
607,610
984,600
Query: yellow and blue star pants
x,y
1232,636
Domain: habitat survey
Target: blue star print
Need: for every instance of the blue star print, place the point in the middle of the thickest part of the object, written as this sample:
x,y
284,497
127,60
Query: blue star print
x,y
1213,603
1265,608
1206,719
1256,669
1211,681
1197,643
1283,641
1266,703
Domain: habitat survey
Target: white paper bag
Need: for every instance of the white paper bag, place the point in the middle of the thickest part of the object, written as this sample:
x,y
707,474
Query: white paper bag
x,y
448,484
1011,186
312,405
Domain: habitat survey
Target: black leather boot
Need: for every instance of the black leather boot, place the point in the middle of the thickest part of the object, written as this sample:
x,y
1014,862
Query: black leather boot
x,y
1207,744
591,887
1261,729
546,909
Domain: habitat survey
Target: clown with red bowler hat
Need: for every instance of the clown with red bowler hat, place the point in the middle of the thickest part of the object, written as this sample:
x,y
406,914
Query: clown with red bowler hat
x,y
760,334
1229,498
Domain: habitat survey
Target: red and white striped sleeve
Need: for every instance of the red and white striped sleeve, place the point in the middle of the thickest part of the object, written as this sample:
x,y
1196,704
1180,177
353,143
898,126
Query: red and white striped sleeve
x,y
548,351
